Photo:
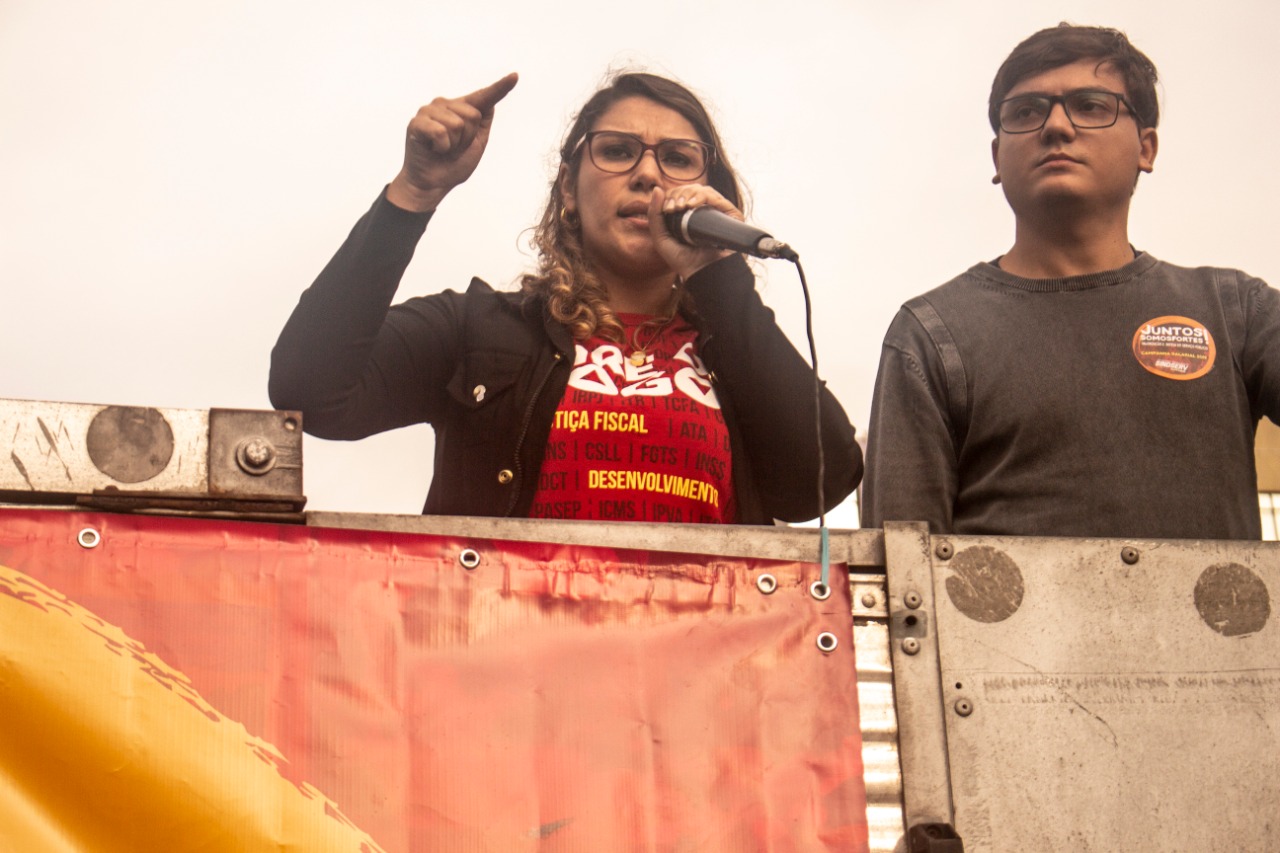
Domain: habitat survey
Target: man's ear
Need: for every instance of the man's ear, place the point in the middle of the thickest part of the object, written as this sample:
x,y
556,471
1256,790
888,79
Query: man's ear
x,y
995,159
1150,144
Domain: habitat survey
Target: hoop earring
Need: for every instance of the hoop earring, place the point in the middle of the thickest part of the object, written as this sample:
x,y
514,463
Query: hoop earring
x,y
568,218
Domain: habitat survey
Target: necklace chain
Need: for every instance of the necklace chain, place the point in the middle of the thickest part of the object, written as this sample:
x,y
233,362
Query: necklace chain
x,y
639,350
658,324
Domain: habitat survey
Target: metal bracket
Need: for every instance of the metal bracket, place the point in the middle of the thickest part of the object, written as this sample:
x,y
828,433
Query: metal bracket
x,y
917,685
136,459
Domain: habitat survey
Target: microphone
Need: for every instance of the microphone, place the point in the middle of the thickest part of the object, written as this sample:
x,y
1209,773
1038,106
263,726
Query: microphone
x,y
706,226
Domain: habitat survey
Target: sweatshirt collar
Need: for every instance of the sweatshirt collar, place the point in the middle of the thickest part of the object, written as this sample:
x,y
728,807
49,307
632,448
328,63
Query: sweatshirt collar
x,y
1141,263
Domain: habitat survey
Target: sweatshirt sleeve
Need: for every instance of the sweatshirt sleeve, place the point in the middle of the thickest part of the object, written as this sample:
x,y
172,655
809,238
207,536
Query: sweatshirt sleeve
x,y
771,390
1261,360
351,364
911,456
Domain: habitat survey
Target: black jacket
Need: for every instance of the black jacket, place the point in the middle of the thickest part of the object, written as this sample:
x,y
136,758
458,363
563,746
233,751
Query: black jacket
x,y
488,369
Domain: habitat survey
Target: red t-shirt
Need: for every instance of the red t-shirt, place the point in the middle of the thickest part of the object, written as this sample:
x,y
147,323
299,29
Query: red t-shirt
x,y
638,442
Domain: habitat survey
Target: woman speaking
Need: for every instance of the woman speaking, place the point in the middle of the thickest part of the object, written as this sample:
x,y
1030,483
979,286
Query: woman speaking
x,y
632,377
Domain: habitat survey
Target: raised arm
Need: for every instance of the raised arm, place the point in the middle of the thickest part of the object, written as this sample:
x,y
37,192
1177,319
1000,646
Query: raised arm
x,y
353,365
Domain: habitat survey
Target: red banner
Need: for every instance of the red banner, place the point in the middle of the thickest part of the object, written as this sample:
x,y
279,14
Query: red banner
x,y
176,684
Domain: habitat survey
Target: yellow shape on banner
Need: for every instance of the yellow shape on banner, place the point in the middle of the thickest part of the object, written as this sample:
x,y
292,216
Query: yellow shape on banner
x,y
104,747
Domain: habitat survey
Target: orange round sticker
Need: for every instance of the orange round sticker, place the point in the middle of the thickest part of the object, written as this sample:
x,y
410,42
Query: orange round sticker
x,y
1174,347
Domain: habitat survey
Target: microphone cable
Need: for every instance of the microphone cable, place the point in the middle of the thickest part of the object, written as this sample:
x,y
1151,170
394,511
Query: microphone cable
x,y
817,413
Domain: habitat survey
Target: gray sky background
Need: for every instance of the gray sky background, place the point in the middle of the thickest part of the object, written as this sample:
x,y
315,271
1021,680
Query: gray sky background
x,y
173,175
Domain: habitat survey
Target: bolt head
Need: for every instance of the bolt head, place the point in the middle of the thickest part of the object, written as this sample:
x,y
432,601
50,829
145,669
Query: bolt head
x,y
256,455
258,452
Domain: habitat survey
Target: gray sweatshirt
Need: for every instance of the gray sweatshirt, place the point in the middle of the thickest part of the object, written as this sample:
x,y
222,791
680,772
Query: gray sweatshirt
x,y
1118,404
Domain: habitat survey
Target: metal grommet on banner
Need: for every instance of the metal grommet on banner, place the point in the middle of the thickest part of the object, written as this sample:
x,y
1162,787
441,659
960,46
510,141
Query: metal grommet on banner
x,y
767,584
469,558
820,590
827,642
89,538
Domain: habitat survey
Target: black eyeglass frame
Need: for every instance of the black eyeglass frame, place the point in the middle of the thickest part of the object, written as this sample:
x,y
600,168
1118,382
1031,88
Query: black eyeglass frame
x,y
708,149
1062,99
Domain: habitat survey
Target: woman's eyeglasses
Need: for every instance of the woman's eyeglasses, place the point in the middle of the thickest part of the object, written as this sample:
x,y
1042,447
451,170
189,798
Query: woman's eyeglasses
x,y
678,159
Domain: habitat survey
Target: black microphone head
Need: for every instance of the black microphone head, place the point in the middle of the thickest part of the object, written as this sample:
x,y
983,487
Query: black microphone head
x,y
677,224
706,226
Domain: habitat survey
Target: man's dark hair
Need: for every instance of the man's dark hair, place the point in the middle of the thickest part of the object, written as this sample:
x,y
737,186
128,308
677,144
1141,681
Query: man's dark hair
x,y
1066,43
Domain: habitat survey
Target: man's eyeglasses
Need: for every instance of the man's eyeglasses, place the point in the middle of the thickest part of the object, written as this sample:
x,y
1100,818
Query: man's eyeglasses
x,y
1085,110
678,159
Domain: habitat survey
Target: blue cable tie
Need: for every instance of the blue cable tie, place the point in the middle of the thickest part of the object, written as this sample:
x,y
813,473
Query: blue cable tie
x,y
826,557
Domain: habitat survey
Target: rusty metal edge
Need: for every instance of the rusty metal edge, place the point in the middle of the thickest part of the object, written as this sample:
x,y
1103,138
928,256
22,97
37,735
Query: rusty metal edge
x,y
859,549
922,739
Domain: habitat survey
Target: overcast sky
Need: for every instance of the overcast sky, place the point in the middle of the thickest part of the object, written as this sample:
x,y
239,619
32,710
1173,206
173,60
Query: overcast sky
x,y
173,175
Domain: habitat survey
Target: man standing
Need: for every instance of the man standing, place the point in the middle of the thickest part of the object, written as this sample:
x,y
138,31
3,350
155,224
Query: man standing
x,y
1075,386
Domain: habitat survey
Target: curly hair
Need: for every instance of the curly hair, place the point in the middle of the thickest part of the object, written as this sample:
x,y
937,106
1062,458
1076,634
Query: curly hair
x,y
1066,43
574,294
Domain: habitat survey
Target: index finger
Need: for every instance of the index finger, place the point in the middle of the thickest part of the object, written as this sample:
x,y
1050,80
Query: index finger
x,y
487,98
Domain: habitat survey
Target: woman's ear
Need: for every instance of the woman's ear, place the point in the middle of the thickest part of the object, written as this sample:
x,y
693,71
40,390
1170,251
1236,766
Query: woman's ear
x,y
570,201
